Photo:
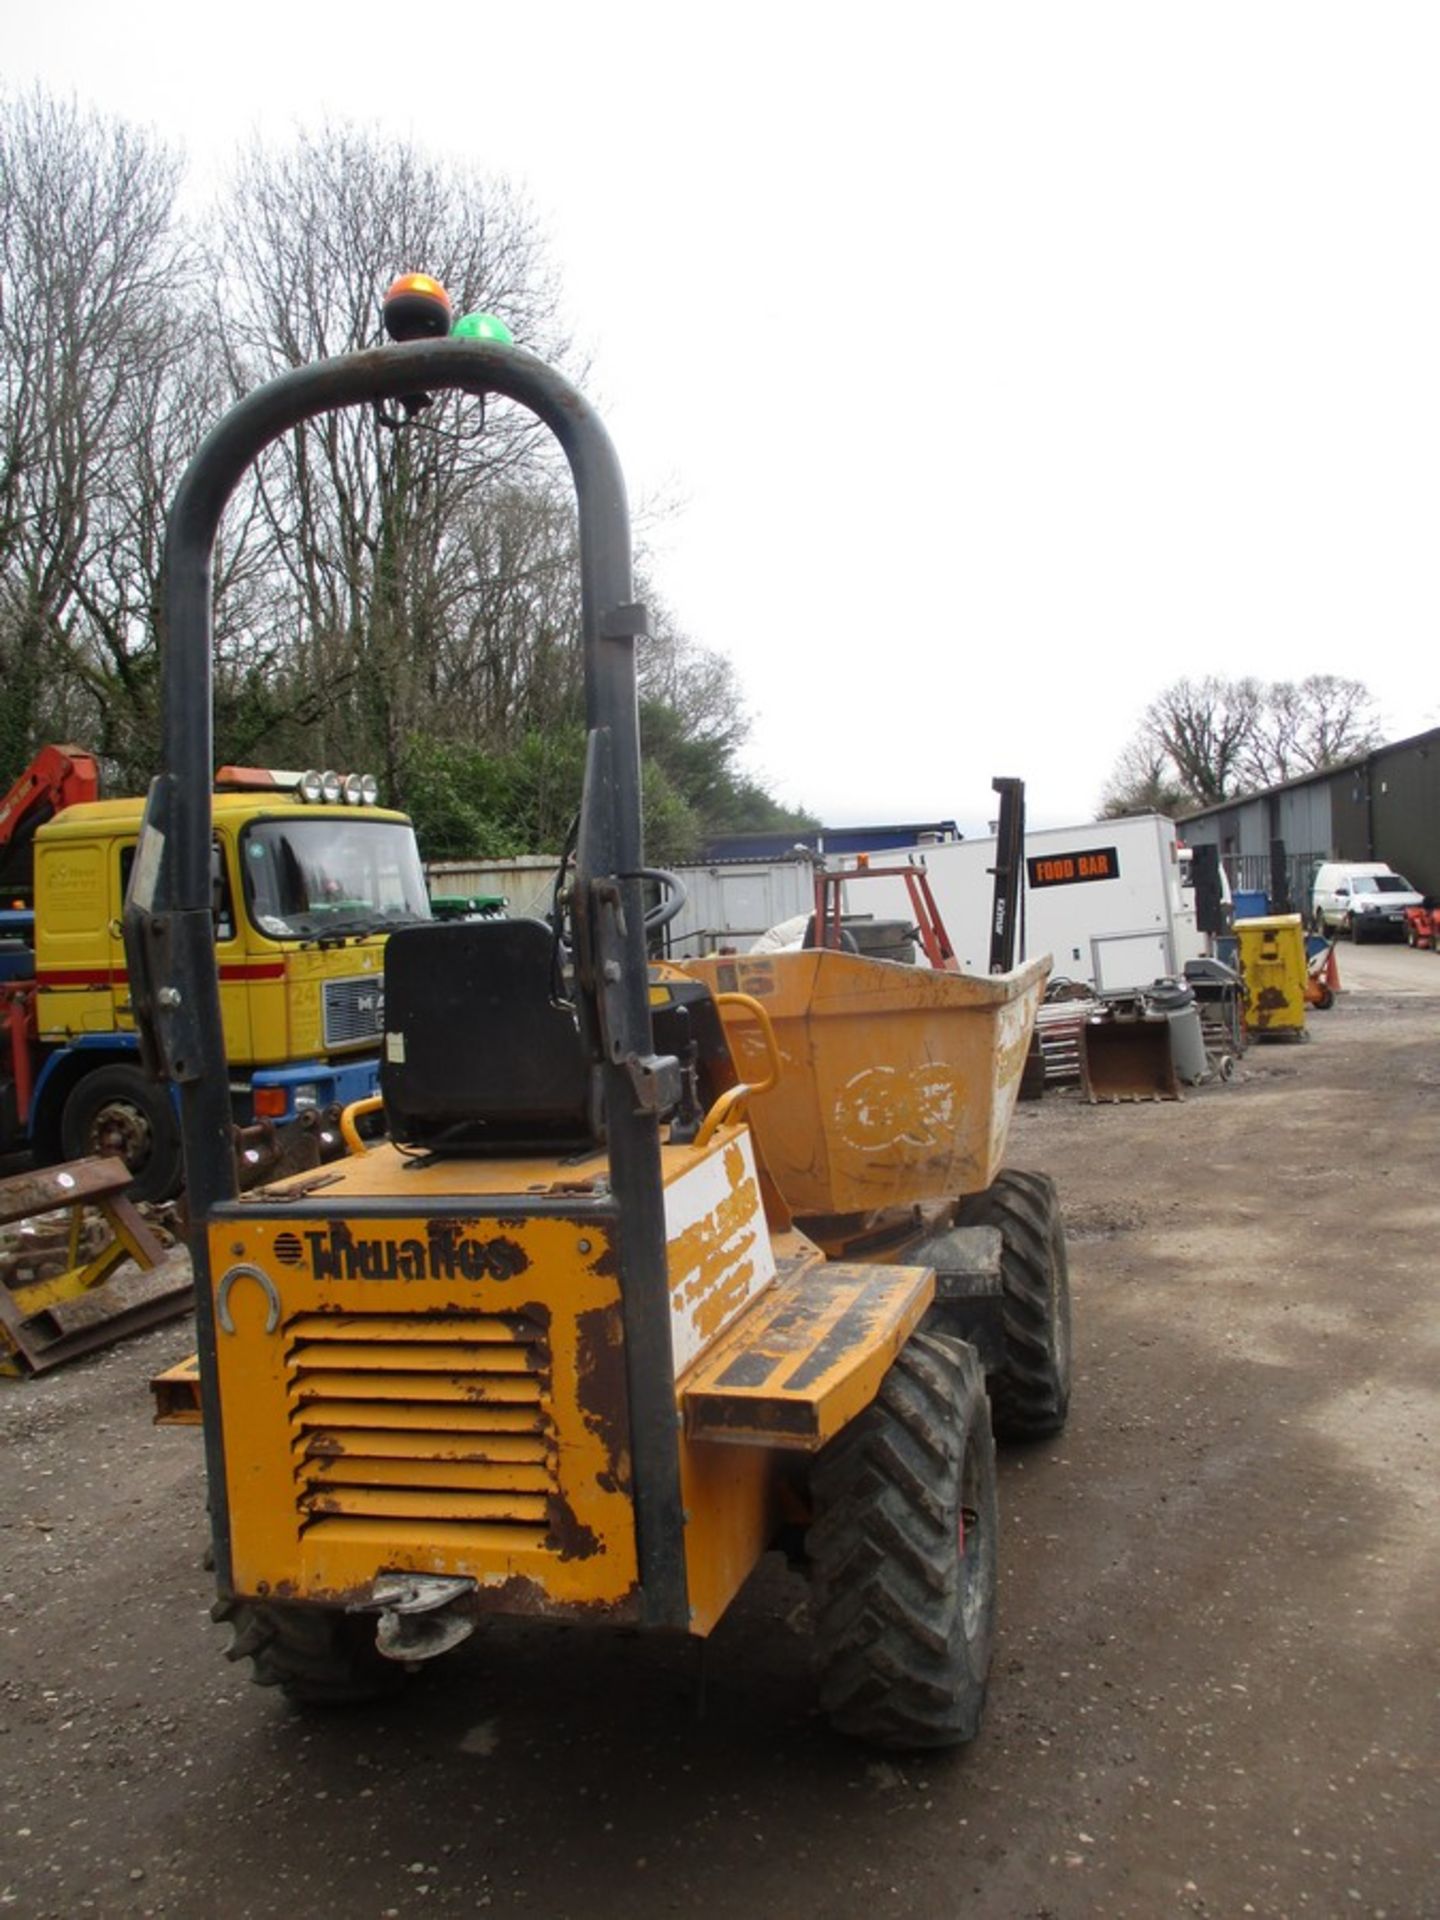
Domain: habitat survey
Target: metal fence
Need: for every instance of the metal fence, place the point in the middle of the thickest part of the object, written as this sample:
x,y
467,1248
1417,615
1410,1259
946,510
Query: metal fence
x,y
1252,873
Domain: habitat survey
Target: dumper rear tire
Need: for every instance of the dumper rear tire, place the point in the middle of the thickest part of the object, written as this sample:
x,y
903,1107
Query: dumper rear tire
x,y
902,1553
318,1657
1030,1392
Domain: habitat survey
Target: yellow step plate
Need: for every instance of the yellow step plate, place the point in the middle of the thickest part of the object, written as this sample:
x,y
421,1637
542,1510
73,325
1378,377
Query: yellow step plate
x,y
808,1357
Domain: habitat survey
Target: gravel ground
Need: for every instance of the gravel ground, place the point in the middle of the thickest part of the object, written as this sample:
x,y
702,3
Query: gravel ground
x,y
1216,1687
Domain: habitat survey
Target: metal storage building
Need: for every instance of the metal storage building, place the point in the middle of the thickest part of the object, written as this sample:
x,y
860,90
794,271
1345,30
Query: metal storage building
x,y
1383,805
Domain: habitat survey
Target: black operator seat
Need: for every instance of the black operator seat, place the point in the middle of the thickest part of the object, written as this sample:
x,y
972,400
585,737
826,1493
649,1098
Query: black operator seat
x,y
478,1057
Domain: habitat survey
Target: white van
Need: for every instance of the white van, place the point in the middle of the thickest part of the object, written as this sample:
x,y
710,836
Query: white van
x,y
1365,899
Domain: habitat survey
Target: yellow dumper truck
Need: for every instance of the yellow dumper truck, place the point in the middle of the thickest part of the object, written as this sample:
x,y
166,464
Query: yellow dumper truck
x,y
659,1266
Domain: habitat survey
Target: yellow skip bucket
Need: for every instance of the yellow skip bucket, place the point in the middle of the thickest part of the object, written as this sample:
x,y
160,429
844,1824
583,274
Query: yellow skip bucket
x,y
898,1083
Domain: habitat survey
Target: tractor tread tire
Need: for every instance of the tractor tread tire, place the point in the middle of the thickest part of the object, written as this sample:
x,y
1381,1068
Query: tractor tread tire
x,y
811,941
1030,1394
317,1656
904,1623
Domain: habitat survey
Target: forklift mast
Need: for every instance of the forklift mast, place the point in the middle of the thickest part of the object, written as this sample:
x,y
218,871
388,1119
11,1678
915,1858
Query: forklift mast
x,y
1007,931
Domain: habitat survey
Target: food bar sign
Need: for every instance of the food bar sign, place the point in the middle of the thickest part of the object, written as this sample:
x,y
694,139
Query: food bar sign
x,y
1067,869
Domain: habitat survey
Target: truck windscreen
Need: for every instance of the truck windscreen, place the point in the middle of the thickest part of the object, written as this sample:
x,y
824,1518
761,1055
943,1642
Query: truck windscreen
x,y
314,878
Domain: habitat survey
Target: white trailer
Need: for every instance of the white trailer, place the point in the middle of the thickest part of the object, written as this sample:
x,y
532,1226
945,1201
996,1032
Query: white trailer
x,y
1104,899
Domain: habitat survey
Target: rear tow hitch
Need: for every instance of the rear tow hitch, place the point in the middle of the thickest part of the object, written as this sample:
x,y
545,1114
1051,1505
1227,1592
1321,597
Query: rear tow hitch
x,y
414,1623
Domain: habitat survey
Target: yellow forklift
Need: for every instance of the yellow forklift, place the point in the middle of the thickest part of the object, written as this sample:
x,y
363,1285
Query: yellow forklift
x,y
658,1267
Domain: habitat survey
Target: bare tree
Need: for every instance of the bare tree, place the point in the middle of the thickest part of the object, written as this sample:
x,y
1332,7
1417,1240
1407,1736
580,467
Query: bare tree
x,y
373,534
92,281
1200,742
1304,726
1143,782
405,601
699,686
1204,727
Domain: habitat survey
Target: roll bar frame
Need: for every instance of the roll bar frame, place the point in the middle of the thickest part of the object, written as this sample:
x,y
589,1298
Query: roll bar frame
x,y
168,937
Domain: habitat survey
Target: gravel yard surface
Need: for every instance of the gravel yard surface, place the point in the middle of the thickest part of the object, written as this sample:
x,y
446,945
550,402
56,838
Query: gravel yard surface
x,y
1217,1685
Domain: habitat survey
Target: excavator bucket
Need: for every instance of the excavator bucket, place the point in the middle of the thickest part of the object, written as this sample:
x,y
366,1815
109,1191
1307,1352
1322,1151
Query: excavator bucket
x,y
1127,1057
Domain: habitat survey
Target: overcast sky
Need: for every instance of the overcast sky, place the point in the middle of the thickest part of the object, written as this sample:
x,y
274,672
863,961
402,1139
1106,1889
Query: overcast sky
x,y
1004,363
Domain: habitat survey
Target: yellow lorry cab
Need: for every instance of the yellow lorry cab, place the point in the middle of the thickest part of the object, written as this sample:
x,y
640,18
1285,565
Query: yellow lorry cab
x,y
304,897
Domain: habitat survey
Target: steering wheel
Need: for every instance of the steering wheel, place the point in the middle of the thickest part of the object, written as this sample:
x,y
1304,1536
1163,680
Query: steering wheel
x,y
676,894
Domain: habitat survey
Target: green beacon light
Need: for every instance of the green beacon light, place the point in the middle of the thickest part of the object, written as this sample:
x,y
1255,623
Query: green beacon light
x,y
482,326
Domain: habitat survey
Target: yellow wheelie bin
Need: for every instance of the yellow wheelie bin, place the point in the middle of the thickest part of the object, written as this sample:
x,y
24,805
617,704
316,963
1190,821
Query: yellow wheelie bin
x,y
1273,971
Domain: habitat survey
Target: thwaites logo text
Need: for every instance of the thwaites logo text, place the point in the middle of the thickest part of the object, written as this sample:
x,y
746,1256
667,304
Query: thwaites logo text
x,y
443,1252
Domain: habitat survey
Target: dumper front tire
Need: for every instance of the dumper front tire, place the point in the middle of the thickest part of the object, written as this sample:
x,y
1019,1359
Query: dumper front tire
x,y
902,1552
1030,1392
318,1657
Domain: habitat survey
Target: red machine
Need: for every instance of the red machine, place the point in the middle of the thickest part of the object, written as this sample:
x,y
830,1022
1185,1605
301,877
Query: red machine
x,y
930,929
1422,927
56,778
1322,978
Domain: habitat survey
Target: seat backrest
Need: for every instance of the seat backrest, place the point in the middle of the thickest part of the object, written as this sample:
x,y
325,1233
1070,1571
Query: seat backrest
x,y
478,1057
